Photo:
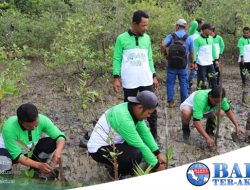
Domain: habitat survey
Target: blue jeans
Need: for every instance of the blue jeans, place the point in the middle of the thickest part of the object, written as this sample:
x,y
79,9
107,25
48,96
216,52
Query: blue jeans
x,y
203,73
192,75
183,81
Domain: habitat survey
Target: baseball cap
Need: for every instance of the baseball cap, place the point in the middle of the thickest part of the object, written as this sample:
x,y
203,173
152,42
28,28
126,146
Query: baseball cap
x,y
181,22
146,98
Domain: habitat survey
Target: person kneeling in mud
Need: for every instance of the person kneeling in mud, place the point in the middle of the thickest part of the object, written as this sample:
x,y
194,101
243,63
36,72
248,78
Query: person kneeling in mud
x,y
123,125
24,130
205,103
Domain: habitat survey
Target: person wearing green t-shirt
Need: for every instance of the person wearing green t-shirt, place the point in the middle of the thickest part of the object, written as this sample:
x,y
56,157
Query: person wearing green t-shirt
x,y
244,62
25,130
194,32
133,66
123,126
219,47
195,27
204,55
205,103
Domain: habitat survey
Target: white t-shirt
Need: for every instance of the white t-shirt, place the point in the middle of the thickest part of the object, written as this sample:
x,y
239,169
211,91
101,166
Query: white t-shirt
x,y
246,55
205,55
102,135
135,70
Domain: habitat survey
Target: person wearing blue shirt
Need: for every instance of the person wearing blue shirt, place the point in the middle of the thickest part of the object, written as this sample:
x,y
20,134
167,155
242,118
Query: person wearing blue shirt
x,y
172,70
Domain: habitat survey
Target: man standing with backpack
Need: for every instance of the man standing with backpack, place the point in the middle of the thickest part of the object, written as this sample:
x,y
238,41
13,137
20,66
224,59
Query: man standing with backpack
x,y
180,48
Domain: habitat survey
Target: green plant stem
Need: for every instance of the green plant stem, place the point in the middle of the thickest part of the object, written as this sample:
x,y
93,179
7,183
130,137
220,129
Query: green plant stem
x,y
61,173
217,130
218,116
116,177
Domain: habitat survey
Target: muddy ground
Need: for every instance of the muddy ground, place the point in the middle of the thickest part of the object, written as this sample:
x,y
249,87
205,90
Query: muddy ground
x,y
52,93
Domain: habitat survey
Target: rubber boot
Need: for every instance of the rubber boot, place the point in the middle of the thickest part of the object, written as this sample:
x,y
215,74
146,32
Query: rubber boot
x,y
186,131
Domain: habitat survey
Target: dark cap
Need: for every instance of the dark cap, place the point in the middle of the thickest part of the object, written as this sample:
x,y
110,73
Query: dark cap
x,y
206,26
146,98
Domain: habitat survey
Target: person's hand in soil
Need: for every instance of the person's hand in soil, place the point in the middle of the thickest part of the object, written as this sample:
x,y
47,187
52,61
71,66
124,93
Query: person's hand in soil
x,y
161,167
210,142
239,130
44,168
117,85
161,158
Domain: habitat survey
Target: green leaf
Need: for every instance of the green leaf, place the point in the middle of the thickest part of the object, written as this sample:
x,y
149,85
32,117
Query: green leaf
x,y
139,171
23,173
30,153
118,153
22,145
169,153
31,173
105,156
108,141
112,154
26,172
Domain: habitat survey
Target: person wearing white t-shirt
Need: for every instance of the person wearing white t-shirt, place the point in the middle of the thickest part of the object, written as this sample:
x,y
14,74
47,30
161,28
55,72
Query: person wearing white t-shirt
x,y
133,66
244,60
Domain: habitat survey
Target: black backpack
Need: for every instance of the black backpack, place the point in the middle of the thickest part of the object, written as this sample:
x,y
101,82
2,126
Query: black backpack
x,y
177,54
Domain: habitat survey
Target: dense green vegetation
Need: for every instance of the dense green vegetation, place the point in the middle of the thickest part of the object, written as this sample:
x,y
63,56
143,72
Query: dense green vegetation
x,y
78,35
74,28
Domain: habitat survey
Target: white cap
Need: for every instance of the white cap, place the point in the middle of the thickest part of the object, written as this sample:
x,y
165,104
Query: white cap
x,y
181,22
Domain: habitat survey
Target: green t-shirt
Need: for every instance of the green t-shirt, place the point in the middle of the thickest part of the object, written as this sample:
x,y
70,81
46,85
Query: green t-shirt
x,y
126,41
138,136
219,45
204,50
193,28
12,132
201,104
241,43
244,48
